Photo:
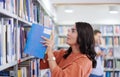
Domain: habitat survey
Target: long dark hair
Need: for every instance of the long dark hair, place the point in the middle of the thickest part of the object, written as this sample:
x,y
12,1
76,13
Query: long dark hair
x,y
86,41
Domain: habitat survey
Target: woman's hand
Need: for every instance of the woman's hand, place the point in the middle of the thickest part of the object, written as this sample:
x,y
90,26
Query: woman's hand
x,y
48,42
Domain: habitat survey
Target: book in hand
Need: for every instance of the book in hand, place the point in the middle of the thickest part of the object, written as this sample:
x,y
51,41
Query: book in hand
x,y
33,45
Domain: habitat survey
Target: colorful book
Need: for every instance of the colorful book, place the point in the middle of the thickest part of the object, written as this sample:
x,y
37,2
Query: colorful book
x,y
33,45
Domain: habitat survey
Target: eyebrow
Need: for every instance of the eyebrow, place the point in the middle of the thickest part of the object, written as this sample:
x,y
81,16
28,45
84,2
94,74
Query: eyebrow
x,y
73,29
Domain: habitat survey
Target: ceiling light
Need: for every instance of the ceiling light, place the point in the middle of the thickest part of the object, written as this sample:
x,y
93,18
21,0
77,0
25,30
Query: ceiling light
x,y
68,11
113,9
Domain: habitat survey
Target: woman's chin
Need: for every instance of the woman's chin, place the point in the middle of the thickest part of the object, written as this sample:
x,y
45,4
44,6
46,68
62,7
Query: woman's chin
x,y
67,43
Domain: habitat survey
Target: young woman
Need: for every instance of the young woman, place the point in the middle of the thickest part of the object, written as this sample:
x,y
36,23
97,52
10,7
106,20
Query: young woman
x,y
78,60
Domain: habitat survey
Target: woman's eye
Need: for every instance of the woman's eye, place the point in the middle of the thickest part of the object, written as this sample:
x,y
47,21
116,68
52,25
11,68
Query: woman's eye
x,y
73,30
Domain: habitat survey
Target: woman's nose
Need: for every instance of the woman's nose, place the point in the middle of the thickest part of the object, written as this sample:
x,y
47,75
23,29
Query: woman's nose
x,y
68,30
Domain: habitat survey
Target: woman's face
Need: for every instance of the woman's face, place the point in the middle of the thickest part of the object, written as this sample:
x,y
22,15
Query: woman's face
x,y
72,36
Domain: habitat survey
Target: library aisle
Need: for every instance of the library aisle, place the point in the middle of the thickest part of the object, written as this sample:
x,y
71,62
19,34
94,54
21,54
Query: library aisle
x,y
17,17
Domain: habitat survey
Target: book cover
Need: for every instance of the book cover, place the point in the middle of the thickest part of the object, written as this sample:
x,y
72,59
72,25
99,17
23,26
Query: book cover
x,y
33,45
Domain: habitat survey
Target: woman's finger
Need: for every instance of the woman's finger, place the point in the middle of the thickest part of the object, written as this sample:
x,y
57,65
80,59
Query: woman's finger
x,y
44,38
52,36
43,42
48,45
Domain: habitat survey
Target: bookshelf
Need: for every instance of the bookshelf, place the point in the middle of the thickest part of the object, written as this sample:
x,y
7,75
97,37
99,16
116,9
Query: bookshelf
x,y
61,36
16,18
111,43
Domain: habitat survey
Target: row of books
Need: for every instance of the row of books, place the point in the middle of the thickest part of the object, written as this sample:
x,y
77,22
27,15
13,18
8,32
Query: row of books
x,y
21,39
117,52
106,30
110,41
110,30
7,73
111,52
61,41
7,40
62,30
31,70
112,74
12,40
108,51
117,64
29,10
9,5
109,64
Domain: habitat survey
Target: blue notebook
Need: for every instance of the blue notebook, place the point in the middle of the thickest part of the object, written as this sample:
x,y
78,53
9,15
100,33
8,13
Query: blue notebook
x,y
33,45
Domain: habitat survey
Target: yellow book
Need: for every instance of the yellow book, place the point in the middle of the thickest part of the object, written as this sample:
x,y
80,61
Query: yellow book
x,y
19,73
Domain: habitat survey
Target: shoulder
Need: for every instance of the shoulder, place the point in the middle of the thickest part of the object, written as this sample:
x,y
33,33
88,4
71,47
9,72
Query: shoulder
x,y
83,61
59,53
84,64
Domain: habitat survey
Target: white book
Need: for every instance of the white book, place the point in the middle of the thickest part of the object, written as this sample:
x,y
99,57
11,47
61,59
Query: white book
x,y
0,41
18,44
3,46
9,43
9,23
24,72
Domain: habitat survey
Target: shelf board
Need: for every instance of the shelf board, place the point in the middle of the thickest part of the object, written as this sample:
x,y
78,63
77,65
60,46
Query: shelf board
x,y
108,69
107,46
24,21
26,58
116,46
7,13
106,58
5,66
116,69
117,35
117,57
104,35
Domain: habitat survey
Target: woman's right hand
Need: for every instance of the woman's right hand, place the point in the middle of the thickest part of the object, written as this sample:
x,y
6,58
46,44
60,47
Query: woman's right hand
x,y
48,42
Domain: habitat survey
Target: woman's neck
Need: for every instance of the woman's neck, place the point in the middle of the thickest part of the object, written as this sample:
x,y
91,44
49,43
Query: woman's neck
x,y
75,49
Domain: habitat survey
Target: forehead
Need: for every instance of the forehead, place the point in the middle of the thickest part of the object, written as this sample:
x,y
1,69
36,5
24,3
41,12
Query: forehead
x,y
74,27
98,34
